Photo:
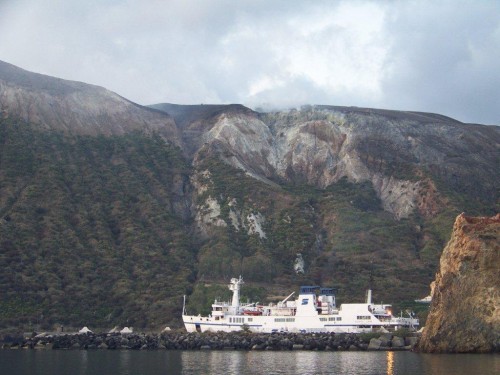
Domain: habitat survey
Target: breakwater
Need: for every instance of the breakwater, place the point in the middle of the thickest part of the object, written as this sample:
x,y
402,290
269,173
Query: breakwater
x,y
213,341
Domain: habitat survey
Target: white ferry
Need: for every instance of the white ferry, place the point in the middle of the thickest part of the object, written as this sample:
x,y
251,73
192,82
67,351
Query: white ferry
x,y
313,311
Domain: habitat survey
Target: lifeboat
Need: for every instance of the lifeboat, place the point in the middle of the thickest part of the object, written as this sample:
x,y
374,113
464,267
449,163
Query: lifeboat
x,y
252,312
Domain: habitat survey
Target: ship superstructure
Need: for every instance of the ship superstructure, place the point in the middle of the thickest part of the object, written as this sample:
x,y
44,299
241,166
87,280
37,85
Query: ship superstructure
x,y
314,310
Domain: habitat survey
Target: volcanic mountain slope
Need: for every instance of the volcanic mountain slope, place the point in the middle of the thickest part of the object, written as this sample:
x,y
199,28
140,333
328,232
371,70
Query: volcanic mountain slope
x,y
75,107
110,211
355,191
399,152
92,206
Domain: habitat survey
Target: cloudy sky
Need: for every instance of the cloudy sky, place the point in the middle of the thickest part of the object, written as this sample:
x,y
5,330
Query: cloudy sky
x,y
433,56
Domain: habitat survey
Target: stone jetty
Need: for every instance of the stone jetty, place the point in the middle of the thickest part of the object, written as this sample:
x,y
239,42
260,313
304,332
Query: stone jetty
x,y
213,341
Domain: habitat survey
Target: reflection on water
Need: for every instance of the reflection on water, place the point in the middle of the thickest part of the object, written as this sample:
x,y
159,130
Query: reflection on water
x,y
124,362
461,364
84,360
300,362
390,363
32,362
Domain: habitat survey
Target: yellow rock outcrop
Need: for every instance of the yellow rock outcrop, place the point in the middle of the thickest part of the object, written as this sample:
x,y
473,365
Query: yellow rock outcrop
x,y
465,309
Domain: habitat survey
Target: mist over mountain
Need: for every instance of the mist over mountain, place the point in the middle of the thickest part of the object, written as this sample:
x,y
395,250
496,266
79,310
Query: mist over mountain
x,y
111,211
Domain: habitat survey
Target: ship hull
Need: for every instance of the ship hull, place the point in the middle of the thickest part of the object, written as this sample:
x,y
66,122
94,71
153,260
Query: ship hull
x,y
270,324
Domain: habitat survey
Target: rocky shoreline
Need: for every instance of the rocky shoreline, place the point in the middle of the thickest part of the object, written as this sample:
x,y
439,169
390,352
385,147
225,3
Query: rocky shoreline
x,y
213,341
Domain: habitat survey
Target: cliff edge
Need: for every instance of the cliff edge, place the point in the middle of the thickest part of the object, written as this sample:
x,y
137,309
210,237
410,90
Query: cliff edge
x,y
465,309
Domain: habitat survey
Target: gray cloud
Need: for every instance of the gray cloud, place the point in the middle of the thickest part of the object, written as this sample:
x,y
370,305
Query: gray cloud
x,y
428,56
446,60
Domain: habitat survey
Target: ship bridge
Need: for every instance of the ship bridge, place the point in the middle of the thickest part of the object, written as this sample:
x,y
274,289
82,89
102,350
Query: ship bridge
x,y
309,289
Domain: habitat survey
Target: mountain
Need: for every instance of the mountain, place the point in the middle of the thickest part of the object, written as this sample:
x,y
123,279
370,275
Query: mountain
x,y
111,211
75,107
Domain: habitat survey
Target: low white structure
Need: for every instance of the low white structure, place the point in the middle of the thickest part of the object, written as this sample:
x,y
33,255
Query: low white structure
x,y
85,330
126,330
427,299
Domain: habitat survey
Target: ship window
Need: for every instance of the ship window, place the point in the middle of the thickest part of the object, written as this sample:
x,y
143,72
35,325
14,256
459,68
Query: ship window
x,y
250,319
339,318
363,317
284,320
323,319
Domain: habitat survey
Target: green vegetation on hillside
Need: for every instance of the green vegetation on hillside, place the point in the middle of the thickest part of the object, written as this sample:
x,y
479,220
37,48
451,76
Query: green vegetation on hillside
x,y
91,229
342,233
100,231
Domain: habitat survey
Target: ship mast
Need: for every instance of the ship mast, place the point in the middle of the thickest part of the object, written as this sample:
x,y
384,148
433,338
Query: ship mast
x,y
369,291
235,286
369,296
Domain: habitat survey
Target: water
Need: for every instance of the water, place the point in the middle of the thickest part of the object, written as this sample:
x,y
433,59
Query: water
x,y
60,362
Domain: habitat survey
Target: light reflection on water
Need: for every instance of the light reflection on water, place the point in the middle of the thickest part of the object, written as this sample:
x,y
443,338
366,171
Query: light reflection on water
x,y
24,362
390,363
349,363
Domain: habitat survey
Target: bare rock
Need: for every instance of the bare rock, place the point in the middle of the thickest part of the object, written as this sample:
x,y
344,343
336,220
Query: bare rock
x,y
374,344
411,341
465,309
397,342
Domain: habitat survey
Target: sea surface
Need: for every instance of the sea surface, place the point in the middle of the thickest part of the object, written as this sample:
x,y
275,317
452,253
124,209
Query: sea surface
x,y
83,362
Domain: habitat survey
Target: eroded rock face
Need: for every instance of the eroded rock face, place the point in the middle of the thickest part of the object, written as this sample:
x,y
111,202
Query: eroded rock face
x,y
319,145
465,309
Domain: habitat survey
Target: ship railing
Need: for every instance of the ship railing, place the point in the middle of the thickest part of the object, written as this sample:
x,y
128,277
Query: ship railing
x,y
406,320
384,318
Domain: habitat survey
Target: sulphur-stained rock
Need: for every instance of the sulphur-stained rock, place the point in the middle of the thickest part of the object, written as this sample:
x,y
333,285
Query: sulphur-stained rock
x,y
320,145
465,309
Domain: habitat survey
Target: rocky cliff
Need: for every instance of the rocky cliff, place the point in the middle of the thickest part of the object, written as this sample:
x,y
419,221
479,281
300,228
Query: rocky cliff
x,y
403,155
465,310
